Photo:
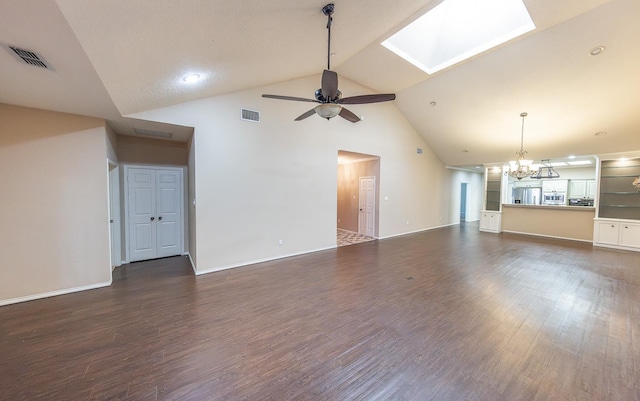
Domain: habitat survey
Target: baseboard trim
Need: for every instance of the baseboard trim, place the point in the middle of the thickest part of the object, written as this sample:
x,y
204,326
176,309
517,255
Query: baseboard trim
x,y
418,231
55,293
193,265
548,236
217,269
618,247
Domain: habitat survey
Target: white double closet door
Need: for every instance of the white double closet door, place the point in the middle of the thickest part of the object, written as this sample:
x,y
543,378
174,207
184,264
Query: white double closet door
x,y
155,213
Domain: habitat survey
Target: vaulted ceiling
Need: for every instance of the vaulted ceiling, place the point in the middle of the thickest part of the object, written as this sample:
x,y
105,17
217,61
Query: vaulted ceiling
x,y
113,58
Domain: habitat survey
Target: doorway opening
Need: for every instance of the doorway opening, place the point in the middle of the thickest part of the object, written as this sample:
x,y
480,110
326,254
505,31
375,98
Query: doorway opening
x,y
463,202
358,197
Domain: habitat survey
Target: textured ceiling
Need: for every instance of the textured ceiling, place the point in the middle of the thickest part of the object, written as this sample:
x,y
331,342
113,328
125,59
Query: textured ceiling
x,y
118,57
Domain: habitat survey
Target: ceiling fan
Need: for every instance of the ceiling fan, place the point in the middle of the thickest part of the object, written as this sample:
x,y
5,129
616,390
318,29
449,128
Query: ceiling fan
x,y
329,97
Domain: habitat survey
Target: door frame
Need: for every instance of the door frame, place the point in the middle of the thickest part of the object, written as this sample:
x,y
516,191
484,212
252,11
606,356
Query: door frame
x,y
373,229
115,238
183,196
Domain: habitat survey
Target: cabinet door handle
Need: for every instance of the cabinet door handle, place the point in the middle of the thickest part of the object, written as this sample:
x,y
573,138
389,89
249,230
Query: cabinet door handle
x,y
612,226
626,227
153,218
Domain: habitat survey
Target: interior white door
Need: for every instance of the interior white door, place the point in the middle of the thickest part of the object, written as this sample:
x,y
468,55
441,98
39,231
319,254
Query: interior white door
x,y
142,213
155,213
169,213
367,206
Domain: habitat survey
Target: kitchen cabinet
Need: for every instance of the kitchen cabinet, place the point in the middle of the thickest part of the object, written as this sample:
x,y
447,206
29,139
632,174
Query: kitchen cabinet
x,y
619,234
526,184
491,222
591,189
555,185
582,189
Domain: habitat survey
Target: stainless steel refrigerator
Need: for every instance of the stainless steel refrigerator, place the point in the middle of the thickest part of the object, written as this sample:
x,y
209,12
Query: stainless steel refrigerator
x,y
527,196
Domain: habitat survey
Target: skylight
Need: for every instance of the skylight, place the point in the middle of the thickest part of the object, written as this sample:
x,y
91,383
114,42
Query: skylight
x,y
455,30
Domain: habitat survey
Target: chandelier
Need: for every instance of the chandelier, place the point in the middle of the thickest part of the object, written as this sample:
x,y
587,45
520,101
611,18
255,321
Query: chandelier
x,y
636,183
522,168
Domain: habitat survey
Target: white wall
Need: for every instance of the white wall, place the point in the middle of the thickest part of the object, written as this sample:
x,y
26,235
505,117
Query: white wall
x,y
475,188
257,183
54,236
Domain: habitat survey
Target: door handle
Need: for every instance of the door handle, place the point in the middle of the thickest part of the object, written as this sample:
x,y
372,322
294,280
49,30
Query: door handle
x,y
153,218
159,218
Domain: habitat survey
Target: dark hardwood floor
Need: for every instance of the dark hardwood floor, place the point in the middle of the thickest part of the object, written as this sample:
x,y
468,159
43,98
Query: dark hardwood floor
x,y
448,314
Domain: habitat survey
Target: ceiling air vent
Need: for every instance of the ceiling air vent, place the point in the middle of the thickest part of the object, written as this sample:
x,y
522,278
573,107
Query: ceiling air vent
x,y
152,133
250,115
29,57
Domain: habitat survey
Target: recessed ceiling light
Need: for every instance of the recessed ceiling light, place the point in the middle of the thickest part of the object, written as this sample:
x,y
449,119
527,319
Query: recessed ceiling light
x,y
623,159
597,50
600,133
191,78
572,157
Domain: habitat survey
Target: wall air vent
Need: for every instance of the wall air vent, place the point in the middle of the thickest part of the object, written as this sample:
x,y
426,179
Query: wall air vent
x,y
152,133
29,57
250,115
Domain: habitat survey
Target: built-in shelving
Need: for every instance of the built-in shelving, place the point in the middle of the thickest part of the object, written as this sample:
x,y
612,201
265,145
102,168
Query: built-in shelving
x,y
618,197
492,195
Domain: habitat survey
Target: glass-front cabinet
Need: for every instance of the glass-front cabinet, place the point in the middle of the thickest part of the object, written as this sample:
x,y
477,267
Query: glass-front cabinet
x,y
618,221
619,199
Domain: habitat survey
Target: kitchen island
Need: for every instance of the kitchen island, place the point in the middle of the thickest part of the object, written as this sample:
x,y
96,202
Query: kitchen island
x,y
564,222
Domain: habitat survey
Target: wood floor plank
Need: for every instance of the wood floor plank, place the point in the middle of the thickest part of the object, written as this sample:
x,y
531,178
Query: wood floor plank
x,y
447,314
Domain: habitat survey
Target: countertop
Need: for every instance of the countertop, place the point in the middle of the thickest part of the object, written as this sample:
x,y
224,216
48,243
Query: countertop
x,y
550,207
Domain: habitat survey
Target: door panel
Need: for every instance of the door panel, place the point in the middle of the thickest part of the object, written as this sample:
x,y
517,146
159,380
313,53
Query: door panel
x,y
142,238
367,204
169,212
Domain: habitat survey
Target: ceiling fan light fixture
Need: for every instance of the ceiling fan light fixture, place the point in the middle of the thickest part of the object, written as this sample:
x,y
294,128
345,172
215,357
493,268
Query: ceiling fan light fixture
x,y
328,110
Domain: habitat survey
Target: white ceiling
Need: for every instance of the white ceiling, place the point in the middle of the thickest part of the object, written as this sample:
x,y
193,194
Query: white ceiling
x,y
118,57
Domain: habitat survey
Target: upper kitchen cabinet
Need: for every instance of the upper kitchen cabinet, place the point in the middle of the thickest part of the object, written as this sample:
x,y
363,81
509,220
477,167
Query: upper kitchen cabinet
x,y
619,199
555,185
585,189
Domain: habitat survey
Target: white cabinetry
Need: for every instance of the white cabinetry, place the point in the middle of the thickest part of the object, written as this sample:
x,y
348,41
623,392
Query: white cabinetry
x,y
526,184
577,188
555,185
591,189
620,234
582,189
630,235
491,222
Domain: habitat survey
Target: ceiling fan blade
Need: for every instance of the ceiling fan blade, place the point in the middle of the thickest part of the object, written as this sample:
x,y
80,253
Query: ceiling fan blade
x,y
297,99
305,115
329,84
363,99
347,115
